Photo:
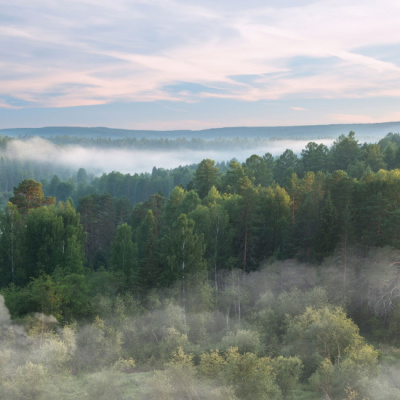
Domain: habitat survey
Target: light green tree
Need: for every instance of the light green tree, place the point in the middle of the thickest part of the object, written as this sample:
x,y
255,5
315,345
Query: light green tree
x,y
184,251
330,346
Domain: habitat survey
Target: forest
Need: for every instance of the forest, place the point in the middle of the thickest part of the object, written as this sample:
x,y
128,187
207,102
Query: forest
x,y
274,278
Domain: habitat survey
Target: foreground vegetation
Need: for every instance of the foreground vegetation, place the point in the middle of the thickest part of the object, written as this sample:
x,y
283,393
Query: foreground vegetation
x,y
271,279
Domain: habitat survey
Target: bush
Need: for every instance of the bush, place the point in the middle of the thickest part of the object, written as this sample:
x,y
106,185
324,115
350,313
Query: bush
x,y
126,366
252,377
54,354
287,372
172,341
245,341
28,382
211,365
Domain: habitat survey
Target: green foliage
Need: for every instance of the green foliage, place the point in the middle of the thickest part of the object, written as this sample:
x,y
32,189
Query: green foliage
x,y
315,157
184,250
295,302
326,339
55,354
99,345
127,366
287,373
44,296
149,264
27,382
211,365
345,151
205,177
232,179
74,296
124,251
213,223
104,385
173,344
99,220
257,170
244,341
11,245
328,233
29,195
285,166
253,378
43,241
182,267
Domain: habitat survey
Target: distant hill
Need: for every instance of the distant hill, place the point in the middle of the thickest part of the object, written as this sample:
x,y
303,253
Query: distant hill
x,y
306,132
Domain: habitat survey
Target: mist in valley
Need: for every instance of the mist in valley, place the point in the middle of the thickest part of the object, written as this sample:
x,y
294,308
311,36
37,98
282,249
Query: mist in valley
x,y
199,200
130,160
114,319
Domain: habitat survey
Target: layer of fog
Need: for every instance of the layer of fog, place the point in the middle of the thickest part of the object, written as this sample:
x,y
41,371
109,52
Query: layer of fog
x,y
287,287
98,160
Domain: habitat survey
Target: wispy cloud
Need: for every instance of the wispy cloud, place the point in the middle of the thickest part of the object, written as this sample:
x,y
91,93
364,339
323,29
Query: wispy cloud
x,y
95,52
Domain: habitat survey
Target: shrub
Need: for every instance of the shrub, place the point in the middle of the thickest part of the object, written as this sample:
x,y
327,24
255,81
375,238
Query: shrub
x,y
245,341
28,381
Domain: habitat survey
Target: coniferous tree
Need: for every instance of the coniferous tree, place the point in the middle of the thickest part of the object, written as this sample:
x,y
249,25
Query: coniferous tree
x,y
285,166
257,170
327,237
29,195
205,177
345,151
124,253
232,178
11,245
248,218
315,157
43,242
275,221
149,263
99,220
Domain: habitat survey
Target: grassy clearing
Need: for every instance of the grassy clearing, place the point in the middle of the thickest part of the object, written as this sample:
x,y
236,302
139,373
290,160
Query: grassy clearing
x,y
389,355
96,386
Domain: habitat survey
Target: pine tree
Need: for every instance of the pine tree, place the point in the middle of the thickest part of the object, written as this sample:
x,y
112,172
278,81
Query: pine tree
x,y
124,252
148,252
11,245
29,195
205,177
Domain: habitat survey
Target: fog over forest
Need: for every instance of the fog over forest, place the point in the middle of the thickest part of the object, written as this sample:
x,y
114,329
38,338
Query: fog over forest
x,y
273,276
200,200
98,160
101,150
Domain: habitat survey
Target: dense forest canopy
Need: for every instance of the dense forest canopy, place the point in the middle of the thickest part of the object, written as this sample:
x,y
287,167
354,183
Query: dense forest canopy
x,y
259,279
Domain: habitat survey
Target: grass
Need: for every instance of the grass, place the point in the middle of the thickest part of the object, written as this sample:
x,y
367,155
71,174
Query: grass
x,y
96,386
389,355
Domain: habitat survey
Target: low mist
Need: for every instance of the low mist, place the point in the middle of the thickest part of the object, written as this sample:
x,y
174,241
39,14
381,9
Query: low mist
x,y
98,160
131,352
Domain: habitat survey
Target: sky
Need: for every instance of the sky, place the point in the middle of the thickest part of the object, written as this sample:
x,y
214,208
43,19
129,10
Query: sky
x,y
190,64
